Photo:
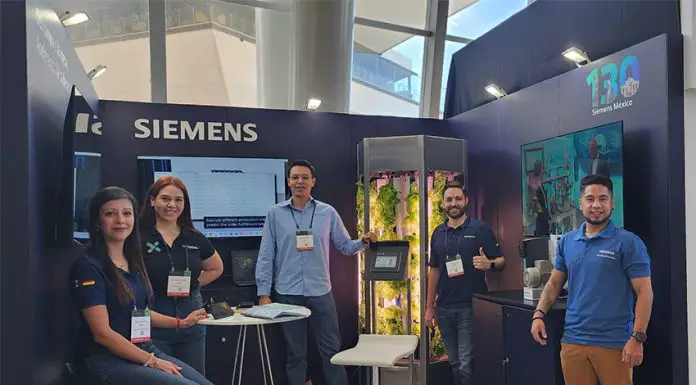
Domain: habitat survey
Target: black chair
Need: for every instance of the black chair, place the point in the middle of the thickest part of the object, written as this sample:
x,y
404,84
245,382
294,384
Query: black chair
x,y
73,376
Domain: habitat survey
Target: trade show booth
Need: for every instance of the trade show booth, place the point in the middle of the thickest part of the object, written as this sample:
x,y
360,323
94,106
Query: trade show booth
x,y
60,144
138,141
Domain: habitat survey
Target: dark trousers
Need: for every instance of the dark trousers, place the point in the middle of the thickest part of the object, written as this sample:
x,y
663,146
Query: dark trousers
x,y
323,327
456,327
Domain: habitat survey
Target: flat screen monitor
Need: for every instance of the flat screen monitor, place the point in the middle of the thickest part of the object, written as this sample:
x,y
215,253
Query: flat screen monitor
x,y
230,197
241,264
551,174
87,181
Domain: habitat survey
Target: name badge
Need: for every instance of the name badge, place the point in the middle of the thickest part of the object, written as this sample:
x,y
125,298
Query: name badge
x,y
179,284
140,326
455,267
305,241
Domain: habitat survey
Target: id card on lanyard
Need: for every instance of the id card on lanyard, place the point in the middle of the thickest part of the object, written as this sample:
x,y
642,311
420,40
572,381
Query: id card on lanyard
x,y
179,281
304,239
455,266
140,325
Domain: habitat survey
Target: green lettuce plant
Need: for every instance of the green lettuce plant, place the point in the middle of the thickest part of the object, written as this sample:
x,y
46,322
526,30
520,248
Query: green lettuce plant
x,y
384,203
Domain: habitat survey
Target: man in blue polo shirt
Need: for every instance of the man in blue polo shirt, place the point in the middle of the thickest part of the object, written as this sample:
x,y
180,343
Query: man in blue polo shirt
x,y
459,251
294,256
604,265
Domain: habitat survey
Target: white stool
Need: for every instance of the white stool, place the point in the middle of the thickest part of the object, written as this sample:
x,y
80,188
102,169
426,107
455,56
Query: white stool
x,y
378,350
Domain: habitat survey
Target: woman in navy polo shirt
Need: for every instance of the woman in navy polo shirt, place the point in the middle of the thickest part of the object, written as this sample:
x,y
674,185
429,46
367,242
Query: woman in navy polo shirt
x,y
111,288
179,260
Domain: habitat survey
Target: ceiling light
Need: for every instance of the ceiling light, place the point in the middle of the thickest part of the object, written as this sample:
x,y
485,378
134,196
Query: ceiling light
x,y
73,18
98,70
576,55
313,103
495,91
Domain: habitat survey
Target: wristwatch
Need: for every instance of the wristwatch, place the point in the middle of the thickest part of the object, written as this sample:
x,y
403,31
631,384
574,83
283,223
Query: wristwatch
x,y
640,336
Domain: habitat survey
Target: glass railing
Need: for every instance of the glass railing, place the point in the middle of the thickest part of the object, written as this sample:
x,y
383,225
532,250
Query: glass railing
x,y
129,18
372,68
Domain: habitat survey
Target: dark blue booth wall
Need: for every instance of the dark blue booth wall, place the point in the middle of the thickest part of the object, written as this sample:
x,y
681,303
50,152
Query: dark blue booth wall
x,y
653,176
526,48
329,141
38,71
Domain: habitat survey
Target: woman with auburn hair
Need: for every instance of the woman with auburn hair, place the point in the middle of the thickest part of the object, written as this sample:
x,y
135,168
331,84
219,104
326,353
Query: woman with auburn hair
x,y
111,288
179,260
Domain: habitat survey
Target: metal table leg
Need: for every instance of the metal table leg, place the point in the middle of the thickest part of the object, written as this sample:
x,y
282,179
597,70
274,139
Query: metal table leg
x,y
263,359
264,349
241,342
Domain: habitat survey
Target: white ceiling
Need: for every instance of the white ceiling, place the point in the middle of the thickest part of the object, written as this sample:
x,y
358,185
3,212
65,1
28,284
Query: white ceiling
x,y
409,13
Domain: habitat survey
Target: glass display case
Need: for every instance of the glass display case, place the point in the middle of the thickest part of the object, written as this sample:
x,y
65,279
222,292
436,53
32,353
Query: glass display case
x,y
399,193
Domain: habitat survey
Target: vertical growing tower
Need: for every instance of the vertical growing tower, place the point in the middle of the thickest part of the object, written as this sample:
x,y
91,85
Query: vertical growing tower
x,y
400,182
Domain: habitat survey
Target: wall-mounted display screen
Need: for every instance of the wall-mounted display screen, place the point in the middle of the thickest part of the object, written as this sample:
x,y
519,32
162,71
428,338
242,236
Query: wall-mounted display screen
x,y
551,174
386,262
87,181
230,197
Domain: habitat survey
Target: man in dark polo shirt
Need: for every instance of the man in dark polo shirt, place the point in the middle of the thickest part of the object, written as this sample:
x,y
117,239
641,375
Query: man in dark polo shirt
x,y
604,266
460,252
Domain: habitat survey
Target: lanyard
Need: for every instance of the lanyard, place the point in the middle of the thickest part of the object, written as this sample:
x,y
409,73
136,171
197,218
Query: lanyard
x,y
147,297
169,254
314,208
171,261
447,242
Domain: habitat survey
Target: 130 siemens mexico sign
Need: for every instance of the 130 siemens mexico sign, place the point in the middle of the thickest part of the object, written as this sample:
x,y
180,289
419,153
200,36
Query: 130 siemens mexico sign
x,y
177,129
613,86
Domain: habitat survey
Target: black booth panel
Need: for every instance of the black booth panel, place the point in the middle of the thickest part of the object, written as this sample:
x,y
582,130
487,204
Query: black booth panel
x,y
528,108
37,74
221,344
677,203
489,343
484,120
504,350
527,362
329,141
653,176
526,48
647,173
16,342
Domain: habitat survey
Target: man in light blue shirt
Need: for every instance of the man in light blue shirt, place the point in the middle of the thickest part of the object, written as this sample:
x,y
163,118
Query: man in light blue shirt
x,y
294,256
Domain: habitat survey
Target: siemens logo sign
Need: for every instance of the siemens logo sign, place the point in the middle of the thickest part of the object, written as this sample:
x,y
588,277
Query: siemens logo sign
x,y
83,126
176,129
185,130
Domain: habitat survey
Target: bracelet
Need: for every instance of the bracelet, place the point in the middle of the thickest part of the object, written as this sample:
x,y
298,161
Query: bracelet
x,y
537,317
147,363
540,311
156,365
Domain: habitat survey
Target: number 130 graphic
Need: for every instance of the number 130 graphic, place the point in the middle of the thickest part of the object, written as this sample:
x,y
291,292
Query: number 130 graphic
x,y
626,79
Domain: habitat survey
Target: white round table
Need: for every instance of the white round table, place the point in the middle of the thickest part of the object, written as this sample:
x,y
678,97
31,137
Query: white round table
x,y
243,322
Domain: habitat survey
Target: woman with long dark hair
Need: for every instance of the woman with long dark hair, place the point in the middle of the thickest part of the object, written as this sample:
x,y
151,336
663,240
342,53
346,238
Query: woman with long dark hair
x,y
110,286
179,260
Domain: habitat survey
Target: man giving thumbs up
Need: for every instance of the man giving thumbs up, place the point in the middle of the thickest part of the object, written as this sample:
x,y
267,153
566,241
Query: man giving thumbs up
x,y
481,261
458,268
